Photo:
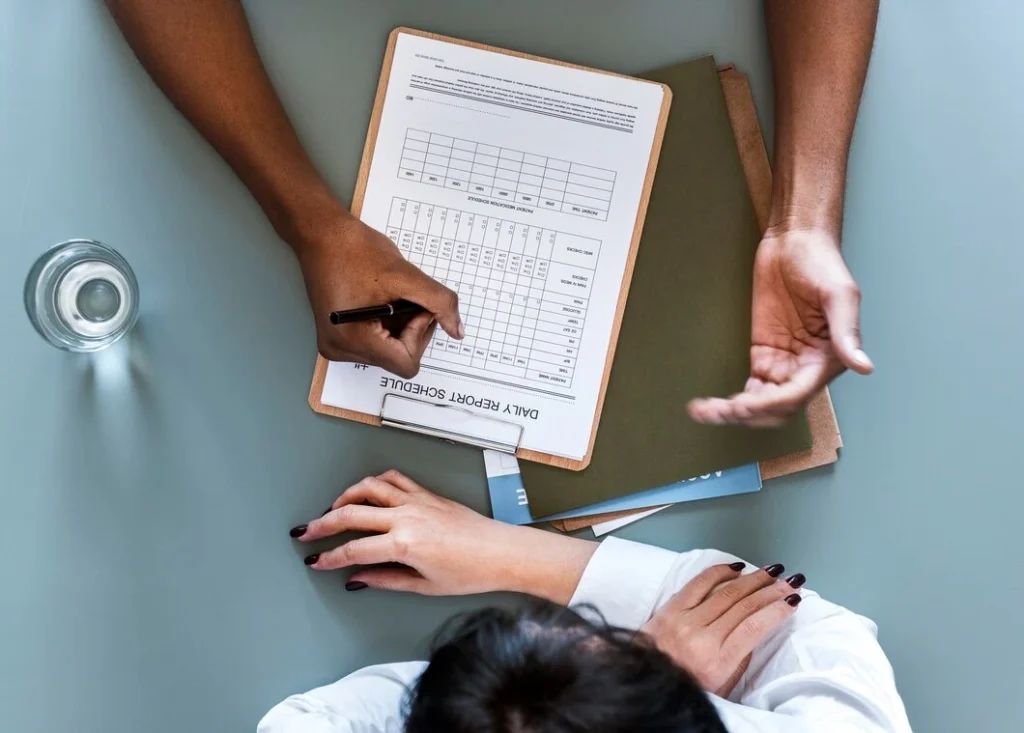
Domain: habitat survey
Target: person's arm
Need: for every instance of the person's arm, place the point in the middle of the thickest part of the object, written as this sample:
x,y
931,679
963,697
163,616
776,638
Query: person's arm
x,y
806,305
822,668
202,55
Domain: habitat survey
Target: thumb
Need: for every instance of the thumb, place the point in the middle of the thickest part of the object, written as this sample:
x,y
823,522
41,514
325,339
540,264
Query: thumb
x,y
842,310
439,300
404,580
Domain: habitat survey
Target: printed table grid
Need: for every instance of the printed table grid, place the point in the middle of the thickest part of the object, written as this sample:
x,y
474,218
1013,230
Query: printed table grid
x,y
523,290
502,174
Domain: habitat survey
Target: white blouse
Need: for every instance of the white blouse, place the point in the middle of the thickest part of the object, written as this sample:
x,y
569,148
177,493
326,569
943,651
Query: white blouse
x,y
822,670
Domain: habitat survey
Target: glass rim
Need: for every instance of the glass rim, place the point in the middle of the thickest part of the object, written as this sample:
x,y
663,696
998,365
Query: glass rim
x,y
35,298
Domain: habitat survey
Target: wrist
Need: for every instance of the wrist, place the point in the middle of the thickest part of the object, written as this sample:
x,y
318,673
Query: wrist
x,y
807,194
544,564
306,220
805,217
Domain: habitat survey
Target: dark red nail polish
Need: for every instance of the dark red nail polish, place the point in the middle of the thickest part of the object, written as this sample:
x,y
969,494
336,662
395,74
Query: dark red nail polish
x,y
296,532
793,600
354,585
775,570
737,566
796,580
311,559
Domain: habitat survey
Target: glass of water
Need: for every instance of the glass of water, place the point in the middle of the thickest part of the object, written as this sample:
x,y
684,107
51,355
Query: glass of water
x,y
82,296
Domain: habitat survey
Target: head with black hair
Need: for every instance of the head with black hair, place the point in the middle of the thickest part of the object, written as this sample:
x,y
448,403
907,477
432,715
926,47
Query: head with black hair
x,y
548,669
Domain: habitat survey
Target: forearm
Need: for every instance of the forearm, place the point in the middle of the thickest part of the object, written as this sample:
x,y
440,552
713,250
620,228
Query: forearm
x,y
202,55
820,51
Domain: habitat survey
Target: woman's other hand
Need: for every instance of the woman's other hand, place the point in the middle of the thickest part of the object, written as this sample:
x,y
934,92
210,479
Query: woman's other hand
x,y
710,627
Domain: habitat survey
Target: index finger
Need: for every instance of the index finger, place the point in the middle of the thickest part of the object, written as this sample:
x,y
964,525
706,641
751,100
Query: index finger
x,y
417,333
693,593
439,300
351,517
373,491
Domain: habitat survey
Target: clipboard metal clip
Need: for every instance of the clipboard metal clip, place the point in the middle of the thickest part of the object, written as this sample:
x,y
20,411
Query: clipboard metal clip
x,y
453,423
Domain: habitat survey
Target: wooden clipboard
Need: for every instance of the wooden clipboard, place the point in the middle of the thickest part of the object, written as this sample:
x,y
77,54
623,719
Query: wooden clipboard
x,y
825,437
320,371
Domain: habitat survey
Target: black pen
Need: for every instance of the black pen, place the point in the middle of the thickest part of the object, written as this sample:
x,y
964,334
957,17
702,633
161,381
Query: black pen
x,y
371,312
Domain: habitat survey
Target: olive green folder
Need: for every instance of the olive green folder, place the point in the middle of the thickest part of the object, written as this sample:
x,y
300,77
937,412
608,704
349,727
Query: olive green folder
x,y
686,328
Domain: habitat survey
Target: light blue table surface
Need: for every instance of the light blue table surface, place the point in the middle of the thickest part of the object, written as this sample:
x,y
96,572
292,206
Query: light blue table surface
x,y
147,582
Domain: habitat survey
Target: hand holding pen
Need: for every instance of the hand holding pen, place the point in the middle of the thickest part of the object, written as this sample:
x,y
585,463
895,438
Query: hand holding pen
x,y
348,265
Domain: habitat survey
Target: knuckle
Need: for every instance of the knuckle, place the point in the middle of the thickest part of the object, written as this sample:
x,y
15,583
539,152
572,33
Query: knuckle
x,y
412,514
752,626
342,556
733,593
345,515
370,491
708,579
749,605
404,541
389,582
392,474
373,483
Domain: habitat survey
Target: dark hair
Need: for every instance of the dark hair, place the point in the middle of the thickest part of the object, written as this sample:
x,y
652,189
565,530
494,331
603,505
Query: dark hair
x,y
548,669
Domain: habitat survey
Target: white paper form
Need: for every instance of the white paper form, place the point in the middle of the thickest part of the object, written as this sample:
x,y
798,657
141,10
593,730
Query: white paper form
x,y
516,183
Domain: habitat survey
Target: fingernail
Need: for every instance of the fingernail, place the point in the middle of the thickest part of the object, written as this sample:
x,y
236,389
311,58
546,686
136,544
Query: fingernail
x,y
793,600
775,570
311,559
354,585
327,511
796,580
296,532
462,329
863,358
737,566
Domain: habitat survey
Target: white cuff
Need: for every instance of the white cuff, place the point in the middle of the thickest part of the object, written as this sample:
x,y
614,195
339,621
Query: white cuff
x,y
623,580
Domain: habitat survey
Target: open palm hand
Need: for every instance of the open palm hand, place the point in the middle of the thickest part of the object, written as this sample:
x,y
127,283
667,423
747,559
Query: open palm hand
x,y
805,330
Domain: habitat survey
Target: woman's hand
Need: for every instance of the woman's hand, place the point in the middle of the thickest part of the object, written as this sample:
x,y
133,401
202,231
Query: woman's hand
x,y
446,548
710,627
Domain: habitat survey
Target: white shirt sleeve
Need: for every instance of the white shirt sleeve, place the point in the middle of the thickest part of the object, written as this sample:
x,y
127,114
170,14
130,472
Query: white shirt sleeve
x,y
821,670
367,701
